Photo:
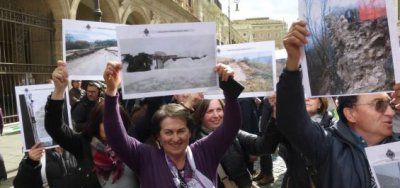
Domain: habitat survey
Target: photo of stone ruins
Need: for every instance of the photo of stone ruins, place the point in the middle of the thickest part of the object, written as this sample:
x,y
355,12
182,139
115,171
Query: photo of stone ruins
x,y
349,48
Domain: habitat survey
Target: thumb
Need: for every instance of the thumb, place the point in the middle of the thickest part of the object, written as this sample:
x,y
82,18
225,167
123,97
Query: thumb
x,y
61,63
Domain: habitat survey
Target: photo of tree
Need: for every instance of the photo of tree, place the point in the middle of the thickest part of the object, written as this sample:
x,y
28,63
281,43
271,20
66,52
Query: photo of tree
x,y
349,50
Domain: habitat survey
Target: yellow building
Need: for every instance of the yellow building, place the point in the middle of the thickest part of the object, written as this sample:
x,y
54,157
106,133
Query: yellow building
x,y
210,11
261,29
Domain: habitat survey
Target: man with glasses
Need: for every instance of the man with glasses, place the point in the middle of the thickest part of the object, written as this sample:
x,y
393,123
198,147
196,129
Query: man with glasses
x,y
337,152
82,108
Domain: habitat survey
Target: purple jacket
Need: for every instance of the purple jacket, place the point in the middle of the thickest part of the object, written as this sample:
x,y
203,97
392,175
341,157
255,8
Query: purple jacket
x,y
149,162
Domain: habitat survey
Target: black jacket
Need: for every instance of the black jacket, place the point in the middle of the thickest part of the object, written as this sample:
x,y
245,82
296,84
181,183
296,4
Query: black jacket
x,y
75,143
80,113
60,173
234,160
339,159
249,114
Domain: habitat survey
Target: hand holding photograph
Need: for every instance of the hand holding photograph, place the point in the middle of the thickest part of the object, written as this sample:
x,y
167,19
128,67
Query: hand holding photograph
x,y
254,66
31,101
88,46
384,161
167,59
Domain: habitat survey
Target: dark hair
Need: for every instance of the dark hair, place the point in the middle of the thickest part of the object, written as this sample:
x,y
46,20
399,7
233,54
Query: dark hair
x,y
173,111
345,102
96,84
96,118
201,109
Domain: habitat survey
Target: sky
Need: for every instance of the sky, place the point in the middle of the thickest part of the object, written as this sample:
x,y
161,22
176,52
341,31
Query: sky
x,y
274,9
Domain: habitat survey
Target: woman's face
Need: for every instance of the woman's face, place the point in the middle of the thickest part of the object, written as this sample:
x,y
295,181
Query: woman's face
x,y
214,115
102,133
174,136
312,105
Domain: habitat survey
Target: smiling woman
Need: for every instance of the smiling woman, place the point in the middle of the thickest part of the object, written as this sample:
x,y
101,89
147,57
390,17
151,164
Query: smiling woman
x,y
175,163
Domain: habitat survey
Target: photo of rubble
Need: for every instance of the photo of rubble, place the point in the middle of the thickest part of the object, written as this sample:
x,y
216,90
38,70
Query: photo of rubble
x,y
161,64
349,47
88,48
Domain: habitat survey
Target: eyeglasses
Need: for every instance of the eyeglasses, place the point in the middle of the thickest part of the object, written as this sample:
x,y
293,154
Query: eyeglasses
x,y
381,105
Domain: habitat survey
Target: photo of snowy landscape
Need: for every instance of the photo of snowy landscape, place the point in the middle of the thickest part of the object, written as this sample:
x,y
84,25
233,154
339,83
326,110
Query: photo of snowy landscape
x,y
88,48
167,64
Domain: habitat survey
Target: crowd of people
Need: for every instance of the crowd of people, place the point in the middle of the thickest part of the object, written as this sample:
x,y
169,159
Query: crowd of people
x,y
187,141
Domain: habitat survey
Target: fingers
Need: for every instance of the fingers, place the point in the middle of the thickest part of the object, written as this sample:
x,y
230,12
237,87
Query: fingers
x,y
36,152
61,63
396,96
60,74
224,71
299,25
297,33
112,70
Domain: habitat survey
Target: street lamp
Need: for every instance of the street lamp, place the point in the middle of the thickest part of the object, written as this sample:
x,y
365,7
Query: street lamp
x,y
229,17
97,11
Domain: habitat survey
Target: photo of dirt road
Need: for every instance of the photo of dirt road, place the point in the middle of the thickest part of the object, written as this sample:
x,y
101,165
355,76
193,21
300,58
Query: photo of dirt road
x,y
254,66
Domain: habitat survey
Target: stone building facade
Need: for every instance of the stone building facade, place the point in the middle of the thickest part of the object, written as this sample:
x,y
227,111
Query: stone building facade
x,y
210,11
261,29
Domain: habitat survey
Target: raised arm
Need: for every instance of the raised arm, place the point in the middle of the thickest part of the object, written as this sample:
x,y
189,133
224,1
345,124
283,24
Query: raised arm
x,y
265,144
53,123
127,148
271,137
292,118
215,144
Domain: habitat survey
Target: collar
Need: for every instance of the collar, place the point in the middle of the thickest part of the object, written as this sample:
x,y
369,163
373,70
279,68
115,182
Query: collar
x,y
344,131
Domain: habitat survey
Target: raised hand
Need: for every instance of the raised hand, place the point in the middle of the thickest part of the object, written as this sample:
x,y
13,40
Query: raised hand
x,y
112,77
293,41
272,102
396,96
60,79
36,152
224,71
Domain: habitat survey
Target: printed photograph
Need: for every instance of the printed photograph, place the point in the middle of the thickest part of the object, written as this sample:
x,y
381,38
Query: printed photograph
x,y
349,48
31,102
388,175
254,66
385,164
88,48
281,57
166,63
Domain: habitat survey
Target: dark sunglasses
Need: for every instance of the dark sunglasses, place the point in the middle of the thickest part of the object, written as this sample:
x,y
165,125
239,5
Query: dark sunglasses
x,y
381,105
